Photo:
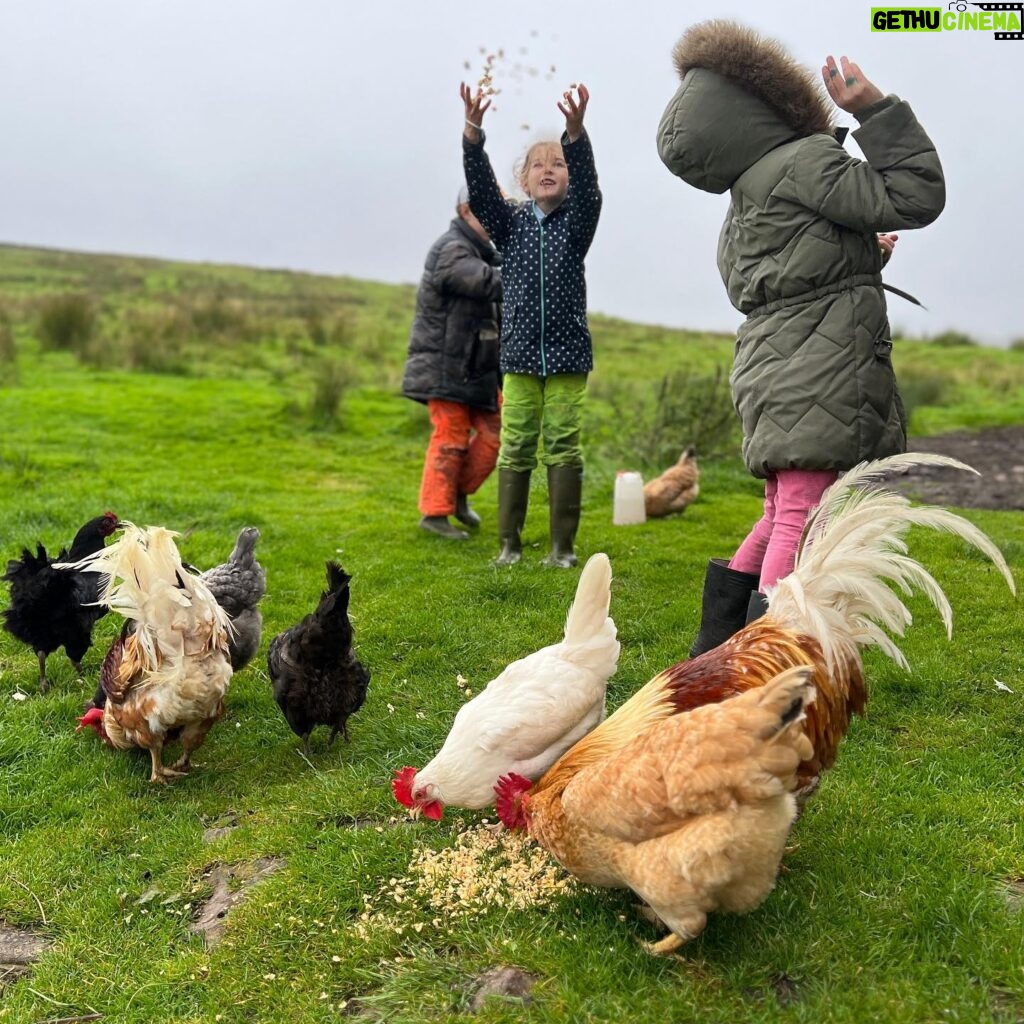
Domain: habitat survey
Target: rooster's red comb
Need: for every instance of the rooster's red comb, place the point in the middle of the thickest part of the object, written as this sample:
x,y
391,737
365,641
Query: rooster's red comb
x,y
91,719
509,792
401,785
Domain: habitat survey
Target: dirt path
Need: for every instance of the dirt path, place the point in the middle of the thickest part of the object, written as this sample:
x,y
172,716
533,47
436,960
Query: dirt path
x,y
997,454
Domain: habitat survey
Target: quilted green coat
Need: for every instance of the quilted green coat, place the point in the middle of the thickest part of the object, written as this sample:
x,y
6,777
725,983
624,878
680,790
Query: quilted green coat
x,y
812,378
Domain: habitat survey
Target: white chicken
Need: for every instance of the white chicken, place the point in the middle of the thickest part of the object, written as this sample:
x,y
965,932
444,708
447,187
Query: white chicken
x,y
527,717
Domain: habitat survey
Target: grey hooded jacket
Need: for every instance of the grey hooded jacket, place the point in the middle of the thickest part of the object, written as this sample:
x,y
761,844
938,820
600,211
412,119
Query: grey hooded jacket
x,y
812,378
453,343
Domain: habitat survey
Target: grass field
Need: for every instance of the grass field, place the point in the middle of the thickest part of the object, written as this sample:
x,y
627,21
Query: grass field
x,y
217,397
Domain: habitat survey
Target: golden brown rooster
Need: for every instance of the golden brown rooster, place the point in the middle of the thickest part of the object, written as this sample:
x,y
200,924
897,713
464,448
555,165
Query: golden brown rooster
x,y
165,678
705,802
820,617
676,488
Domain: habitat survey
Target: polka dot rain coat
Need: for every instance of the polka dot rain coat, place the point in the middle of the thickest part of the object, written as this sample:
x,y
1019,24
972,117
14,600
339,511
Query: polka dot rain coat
x,y
544,320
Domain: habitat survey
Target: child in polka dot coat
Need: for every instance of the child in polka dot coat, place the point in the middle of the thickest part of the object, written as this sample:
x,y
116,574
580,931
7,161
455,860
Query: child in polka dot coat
x,y
546,351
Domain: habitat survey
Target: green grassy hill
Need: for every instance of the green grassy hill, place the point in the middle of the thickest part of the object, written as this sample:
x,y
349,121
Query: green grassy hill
x,y
217,397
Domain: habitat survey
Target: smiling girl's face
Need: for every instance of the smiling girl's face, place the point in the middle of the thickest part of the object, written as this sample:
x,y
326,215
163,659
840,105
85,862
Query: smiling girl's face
x,y
545,176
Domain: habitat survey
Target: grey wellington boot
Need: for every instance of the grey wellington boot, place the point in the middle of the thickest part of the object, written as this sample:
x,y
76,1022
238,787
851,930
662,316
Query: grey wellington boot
x,y
441,526
513,497
565,491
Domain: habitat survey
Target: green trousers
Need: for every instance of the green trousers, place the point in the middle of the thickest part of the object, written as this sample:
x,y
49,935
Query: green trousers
x,y
541,407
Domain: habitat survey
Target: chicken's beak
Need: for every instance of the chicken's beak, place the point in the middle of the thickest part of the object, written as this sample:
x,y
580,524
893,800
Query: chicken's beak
x,y
415,811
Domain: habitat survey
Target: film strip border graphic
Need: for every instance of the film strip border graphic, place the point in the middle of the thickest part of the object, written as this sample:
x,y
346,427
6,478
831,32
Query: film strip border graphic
x,y
1018,7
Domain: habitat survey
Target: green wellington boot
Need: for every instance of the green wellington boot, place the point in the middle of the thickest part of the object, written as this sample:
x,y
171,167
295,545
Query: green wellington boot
x,y
513,497
565,490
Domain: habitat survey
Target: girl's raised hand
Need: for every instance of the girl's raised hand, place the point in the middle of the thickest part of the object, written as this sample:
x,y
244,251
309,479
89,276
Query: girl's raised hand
x,y
886,244
848,86
476,106
574,110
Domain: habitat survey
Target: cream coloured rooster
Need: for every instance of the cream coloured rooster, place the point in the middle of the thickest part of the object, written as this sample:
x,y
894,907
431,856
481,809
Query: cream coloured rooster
x,y
529,715
166,676
834,604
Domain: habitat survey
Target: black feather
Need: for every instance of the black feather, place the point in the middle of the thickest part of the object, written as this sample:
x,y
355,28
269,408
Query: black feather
x,y
317,678
53,607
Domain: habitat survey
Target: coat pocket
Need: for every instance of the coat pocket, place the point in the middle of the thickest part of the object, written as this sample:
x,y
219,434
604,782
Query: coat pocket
x,y
508,321
484,353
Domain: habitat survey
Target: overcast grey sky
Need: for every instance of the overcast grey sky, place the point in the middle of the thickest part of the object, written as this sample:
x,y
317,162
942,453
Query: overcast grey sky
x,y
324,136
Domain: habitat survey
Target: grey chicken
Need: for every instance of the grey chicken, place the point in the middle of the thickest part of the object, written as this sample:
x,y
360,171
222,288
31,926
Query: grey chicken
x,y
317,678
238,584
676,488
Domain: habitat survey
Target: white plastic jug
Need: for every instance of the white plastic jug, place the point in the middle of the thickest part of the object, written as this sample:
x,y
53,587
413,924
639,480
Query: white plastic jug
x,y
629,499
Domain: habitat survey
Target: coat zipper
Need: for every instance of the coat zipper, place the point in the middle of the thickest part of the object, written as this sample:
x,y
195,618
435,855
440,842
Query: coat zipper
x,y
543,358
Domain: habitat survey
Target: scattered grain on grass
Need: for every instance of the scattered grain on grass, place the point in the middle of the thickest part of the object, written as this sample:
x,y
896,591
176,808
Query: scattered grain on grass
x,y
480,873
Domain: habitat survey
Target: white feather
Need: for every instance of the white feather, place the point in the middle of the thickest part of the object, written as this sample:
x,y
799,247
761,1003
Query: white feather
x,y
537,708
853,546
176,616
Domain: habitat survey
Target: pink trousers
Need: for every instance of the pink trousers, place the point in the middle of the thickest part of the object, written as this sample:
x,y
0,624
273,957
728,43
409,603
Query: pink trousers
x,y
770,547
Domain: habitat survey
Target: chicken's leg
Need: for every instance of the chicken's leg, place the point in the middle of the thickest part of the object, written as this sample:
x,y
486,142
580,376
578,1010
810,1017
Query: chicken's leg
x,y
192,738
692,924
343,729
44,683
667,945
161,773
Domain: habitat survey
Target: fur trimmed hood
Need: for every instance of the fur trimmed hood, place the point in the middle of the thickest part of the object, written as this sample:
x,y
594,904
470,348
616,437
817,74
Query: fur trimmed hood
x,y
741,96
761,67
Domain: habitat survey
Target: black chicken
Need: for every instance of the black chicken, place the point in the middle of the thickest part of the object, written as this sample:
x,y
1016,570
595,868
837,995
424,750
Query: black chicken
x,y
238,584
53,607
317,678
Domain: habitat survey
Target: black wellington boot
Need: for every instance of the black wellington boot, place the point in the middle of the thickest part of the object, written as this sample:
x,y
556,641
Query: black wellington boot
x,y
464,512
513,497
724,609
757,607
565,491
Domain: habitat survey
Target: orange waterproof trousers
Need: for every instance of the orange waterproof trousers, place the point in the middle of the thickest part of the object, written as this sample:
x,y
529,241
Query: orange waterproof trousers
x,y
461,455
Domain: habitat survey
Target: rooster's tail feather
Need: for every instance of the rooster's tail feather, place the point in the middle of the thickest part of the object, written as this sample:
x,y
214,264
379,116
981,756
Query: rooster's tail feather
x,y
142,577
853,543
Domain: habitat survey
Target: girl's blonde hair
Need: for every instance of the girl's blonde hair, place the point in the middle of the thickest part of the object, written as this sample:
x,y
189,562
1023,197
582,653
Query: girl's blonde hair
x,y
521,166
